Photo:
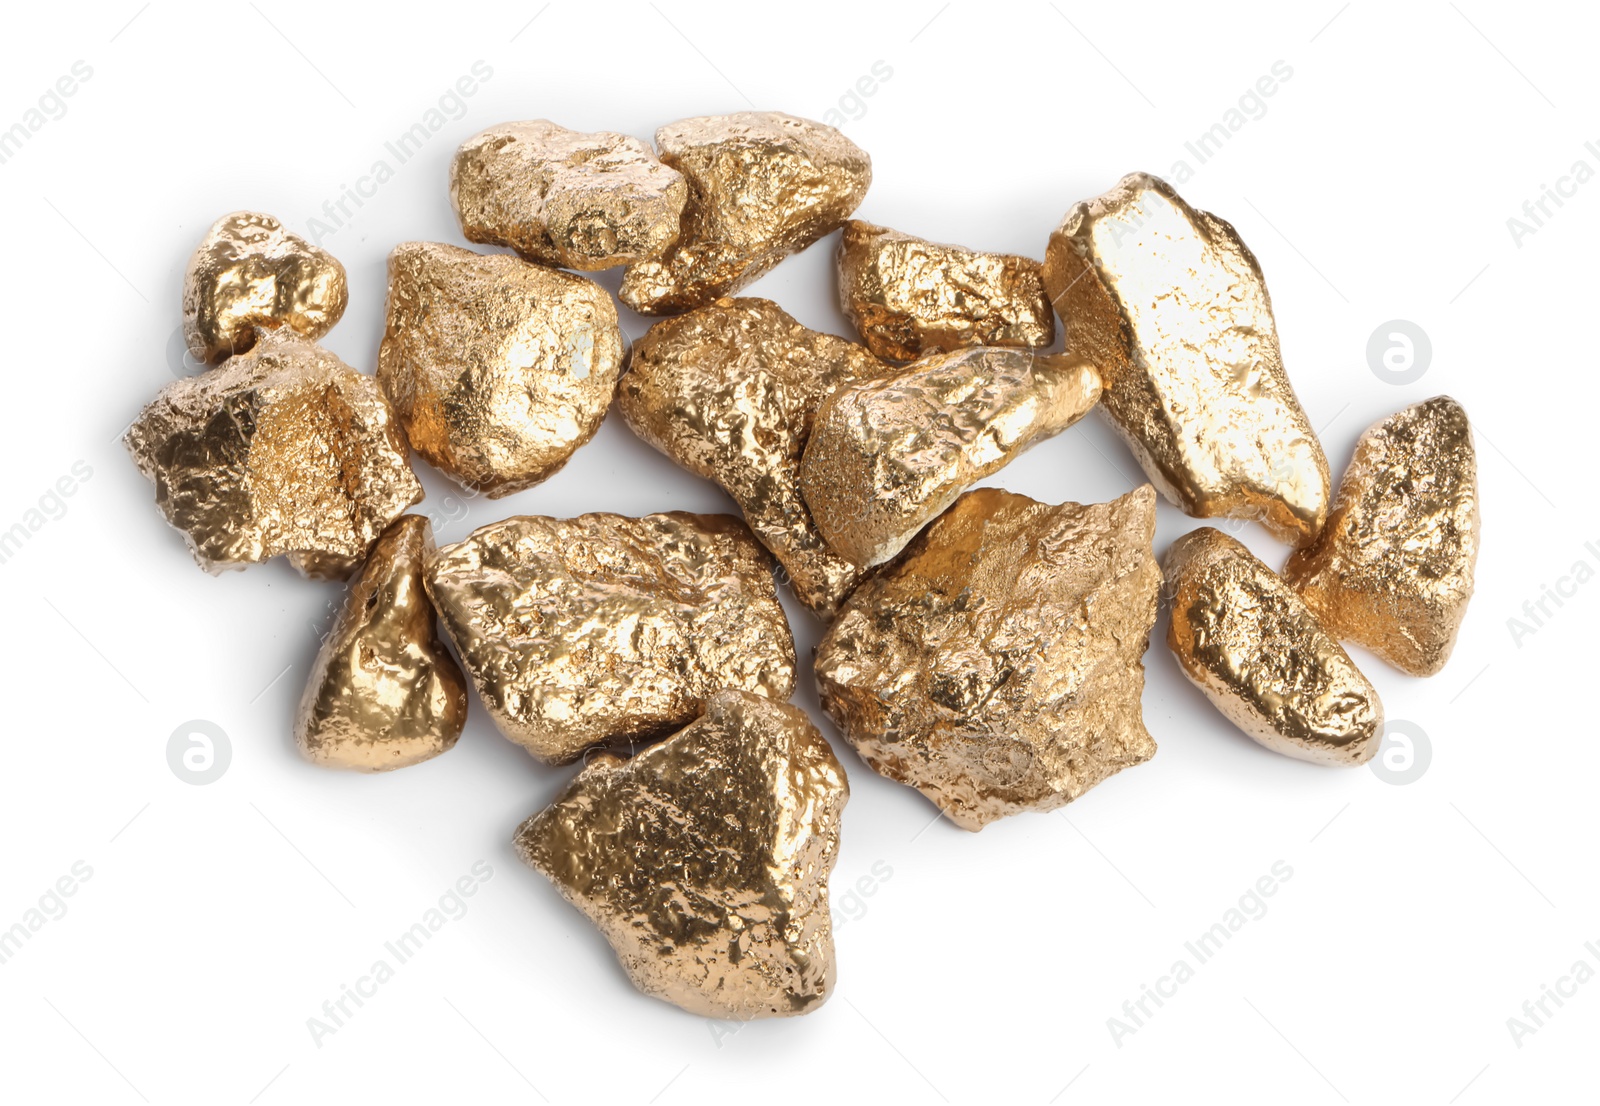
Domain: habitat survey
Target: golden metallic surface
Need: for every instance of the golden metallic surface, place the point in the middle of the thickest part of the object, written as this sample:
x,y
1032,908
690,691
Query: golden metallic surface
x,y
909,297
1172,307
704,860
887,456
383,691
762,185
603,629
996,666
498,368
284,449
729,391
1393,568
1245,639
249,272
560,197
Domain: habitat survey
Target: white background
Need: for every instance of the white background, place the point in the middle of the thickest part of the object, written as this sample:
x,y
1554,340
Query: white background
x,y
219,918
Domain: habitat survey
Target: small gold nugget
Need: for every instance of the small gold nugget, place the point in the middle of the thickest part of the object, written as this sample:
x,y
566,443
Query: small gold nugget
x,y
604,629
249,272
1393,567
1245,639
560,197
996,666
284,449
729,391
762,185
704,860
1172,307
908,297
383,692
499,369
887,456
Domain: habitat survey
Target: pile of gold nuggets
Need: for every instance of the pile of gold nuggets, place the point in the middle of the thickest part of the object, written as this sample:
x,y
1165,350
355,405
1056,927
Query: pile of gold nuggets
x,y
982,647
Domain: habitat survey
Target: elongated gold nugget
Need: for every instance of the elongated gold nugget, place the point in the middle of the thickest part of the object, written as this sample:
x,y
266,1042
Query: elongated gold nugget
x,y
996,665
603,629
704,860
383,691
887,456
1245,639
1173,309
729,391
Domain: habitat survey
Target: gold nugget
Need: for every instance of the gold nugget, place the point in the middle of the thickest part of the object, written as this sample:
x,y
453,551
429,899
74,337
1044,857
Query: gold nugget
x,y
1245,639
887,456
560,197
996,666
1393,567
1172,307
499,369
762,185
704,860
605,630
284,449
249,272
383,691
908,297
729,391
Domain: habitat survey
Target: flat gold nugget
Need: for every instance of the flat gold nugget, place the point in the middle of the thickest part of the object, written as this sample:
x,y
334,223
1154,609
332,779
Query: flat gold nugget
x,y
704,860
1393,568
284,449
606,630
729,391
383,691
908,297
249,272
996,666
560,197
498,368
762,185
1245,639
887,456
1172,307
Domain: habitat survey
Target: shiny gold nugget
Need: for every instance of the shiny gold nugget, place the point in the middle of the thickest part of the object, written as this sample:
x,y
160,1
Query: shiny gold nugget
x,y
908,297
560,197
1248,642
383,691
1393,568
887,456
284,449
604,630
1172,307
704,860
499,369
729,391
762,185
996,666
249,272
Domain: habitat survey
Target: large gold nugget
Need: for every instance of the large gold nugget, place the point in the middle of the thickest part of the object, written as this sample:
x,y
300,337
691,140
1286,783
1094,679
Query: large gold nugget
x,y
704,860
887,456
560,197
1393,567
908,297
762,185
604,630
1172,307
284,449
729,391
1245,639
249,272
499,369
996,666
383,691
